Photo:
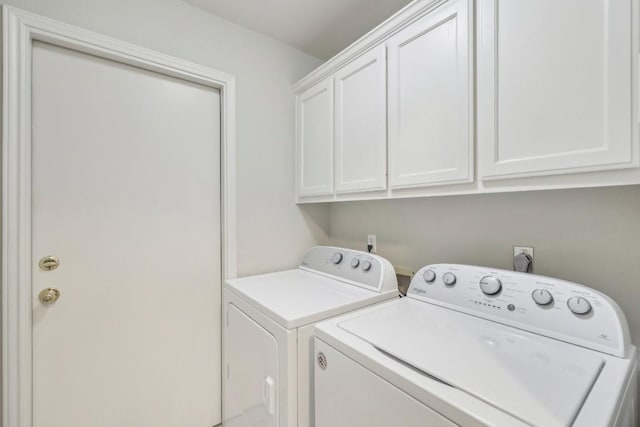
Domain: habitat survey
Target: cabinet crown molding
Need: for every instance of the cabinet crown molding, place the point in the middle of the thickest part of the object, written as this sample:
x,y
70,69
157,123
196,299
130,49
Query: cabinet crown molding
x,y
404,17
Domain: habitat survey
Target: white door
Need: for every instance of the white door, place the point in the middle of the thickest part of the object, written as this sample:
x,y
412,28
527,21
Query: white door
x,y
361,123
251,398
126,193
314,139
554,87
430,99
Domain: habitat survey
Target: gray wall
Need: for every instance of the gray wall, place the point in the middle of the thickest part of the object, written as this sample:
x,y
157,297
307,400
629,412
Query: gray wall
x,y
588,236
273,232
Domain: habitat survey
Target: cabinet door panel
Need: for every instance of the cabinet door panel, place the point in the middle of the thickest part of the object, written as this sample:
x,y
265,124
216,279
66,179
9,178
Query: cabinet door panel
x,y
554,86
315,140
430,104
360,121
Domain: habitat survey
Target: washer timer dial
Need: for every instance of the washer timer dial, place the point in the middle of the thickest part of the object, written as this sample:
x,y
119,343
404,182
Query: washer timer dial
x,y
579,305
429,276
490,285
449,279
542,297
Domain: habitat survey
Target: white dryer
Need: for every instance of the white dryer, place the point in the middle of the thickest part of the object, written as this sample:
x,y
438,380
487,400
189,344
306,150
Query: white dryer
x,y
268,331
478,346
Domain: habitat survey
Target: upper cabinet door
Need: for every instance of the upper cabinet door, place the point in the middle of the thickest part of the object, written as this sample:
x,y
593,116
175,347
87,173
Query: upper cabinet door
x,y
554,87
314,109
361,124
430,99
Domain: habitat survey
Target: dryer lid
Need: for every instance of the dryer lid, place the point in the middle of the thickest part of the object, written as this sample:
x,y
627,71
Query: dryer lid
x,y
294,298
536,379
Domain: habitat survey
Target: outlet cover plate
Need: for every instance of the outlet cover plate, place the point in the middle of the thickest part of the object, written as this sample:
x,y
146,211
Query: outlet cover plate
x,y
523,249
528,250
371,240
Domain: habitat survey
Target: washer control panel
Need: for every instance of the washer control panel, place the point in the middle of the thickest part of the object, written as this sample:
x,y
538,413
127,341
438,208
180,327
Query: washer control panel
x,y
539,304
356,267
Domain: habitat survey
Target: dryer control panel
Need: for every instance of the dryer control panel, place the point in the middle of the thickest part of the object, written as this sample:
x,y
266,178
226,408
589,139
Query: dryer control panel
x,y
358,268
543,305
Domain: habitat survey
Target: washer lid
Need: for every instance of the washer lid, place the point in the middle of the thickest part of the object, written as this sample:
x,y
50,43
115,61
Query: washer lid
x,y
297,297
536,379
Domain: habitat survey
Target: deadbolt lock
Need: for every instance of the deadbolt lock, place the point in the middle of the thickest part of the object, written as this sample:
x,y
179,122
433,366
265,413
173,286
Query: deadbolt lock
x,y
49,263
49,295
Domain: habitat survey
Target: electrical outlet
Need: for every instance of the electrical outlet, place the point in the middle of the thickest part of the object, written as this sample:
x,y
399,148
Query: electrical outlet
x,y
523,250
523,259
371,241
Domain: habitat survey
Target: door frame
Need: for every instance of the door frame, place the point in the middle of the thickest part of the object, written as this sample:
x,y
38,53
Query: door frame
x,y
19,30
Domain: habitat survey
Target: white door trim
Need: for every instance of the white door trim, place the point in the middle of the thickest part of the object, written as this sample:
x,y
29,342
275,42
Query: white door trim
x,y
19,30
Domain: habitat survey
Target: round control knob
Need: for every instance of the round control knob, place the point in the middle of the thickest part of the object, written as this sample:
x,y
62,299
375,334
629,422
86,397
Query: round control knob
x,y
429,276
336,258
542,297
490,285
449,279
355,262
579,305
366,265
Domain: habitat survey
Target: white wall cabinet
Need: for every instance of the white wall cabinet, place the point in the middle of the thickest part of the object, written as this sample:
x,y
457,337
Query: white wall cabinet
x,y
554,87
314,140
430,100
541,95
360,124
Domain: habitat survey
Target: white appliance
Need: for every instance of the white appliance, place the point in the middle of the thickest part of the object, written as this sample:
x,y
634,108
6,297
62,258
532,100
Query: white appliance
x,y
478,346
268,331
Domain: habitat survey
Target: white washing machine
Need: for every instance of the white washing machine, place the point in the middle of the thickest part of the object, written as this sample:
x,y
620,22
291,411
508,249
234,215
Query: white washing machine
x,y
268,331
478,346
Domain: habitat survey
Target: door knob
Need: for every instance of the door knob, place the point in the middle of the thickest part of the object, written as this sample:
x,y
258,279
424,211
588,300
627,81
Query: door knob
x,y
49,295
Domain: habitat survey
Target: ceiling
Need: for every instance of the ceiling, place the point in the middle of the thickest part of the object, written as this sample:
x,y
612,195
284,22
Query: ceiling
x,y
320,28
